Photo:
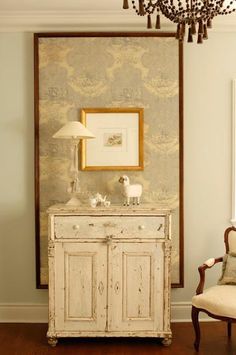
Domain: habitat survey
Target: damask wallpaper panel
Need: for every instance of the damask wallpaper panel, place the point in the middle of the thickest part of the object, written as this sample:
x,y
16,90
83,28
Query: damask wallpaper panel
x,y
74,71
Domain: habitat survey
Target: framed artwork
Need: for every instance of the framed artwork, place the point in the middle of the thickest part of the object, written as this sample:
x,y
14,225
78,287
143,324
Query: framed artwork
x,y
118,143
131,75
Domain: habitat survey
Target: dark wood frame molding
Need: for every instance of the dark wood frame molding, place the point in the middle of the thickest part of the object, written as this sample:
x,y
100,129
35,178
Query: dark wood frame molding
x,y
181,136
199,290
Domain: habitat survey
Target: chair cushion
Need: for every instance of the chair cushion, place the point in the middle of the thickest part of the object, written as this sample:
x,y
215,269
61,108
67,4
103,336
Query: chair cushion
x,y
232,241
219,300
228,276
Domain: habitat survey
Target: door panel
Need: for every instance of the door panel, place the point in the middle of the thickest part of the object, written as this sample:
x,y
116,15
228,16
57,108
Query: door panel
x,y
136,286
81,286
79,280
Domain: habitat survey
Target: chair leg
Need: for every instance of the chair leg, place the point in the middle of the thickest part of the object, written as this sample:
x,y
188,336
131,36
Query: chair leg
x,y
195,313
229,325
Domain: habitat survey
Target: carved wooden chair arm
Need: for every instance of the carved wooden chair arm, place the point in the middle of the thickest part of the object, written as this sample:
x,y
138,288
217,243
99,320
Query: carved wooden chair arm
x,y
207,265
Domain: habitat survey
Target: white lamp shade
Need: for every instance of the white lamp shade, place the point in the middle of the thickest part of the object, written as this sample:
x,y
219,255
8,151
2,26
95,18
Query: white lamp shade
x,y
73,130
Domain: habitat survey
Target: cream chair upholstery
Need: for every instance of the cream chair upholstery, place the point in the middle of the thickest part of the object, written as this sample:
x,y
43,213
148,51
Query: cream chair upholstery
x,y
218,301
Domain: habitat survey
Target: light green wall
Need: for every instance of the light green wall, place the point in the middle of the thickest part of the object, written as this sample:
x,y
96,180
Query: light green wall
x,y
209,69
17,247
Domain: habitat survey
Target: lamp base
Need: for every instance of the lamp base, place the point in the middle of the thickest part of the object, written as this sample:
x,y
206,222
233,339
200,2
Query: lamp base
x,y
74,201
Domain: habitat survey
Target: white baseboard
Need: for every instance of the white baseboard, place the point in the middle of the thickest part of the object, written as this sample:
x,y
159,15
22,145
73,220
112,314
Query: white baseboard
x,y
181,312
38,313
23,313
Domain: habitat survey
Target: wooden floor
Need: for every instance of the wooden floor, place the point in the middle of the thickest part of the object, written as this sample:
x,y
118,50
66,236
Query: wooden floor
x,y
29,339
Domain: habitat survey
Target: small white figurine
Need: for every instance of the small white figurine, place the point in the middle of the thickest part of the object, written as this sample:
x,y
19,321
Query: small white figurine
x,y
93,202
98,200
131,191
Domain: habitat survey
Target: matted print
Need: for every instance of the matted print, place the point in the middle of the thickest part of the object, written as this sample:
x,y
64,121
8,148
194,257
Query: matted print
x,y
118,143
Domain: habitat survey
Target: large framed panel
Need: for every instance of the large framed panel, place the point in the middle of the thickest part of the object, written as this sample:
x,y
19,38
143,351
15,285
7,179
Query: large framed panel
x,y
109,70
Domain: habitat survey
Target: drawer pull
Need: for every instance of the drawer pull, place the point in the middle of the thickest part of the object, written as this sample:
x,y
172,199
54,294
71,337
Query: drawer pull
x,y
142,227
160,226
91,224
76,227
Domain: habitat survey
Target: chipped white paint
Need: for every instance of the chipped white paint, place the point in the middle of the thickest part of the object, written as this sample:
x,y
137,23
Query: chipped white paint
x,y
109,272
84,227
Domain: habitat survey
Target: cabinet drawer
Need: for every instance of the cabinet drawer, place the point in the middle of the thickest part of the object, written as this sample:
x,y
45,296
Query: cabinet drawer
x,y
103,226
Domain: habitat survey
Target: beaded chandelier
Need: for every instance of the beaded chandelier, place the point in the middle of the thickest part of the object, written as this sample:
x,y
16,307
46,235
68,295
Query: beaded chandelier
x,y
197,15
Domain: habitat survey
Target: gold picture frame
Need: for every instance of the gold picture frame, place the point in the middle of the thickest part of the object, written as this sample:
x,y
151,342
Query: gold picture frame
x,y
119,139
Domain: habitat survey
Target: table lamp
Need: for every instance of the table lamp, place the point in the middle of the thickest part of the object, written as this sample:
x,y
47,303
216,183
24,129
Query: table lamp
x,y
75,131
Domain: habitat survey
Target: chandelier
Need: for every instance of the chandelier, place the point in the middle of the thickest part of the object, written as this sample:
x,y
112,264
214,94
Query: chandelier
x,y
197,15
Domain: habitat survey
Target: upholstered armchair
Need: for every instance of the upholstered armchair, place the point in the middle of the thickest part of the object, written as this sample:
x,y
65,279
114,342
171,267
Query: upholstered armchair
x,y
219,301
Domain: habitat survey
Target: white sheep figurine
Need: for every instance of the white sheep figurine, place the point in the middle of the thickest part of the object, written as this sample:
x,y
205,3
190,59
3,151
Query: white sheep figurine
x,y
131,191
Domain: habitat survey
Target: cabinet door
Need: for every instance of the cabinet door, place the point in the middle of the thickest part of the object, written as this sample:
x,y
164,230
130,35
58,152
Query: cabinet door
x,y
135,295
80,286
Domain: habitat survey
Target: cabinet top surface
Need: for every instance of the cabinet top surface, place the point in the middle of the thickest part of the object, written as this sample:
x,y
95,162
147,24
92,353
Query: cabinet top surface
x,y
112,210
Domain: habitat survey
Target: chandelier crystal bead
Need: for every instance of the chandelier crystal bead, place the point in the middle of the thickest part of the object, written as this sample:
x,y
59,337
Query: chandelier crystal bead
x,y
184,13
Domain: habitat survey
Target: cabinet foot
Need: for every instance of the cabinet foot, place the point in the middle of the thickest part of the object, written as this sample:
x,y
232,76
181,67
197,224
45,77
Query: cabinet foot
x,y
167,341
52,341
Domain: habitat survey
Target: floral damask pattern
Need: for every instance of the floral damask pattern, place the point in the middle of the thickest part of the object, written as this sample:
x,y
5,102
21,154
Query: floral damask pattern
x,y
78,72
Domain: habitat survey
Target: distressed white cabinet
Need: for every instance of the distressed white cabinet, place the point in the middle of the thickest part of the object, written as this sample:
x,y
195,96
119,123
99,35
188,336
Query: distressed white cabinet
x,y
109,272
